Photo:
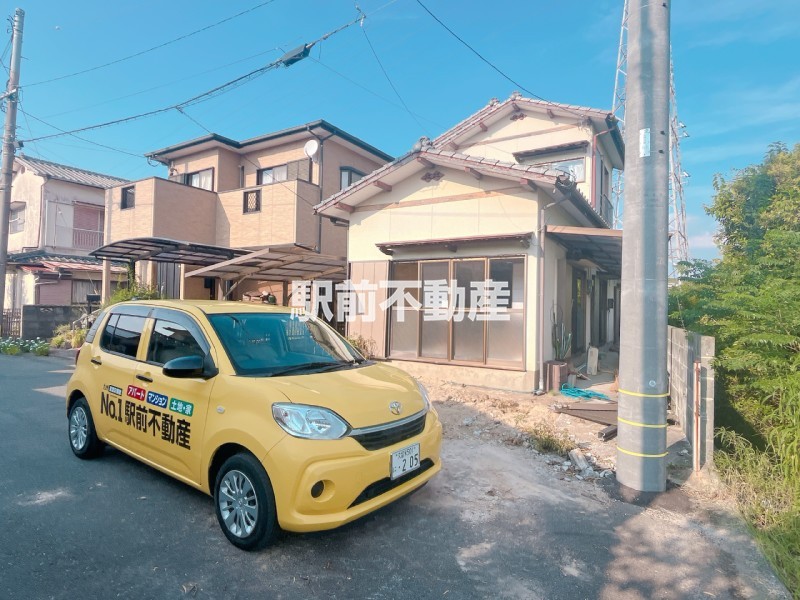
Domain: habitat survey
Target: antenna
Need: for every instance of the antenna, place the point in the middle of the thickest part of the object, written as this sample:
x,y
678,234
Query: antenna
x,y
311,149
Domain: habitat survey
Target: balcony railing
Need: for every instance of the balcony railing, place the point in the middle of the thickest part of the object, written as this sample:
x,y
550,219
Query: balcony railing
x,y
80,239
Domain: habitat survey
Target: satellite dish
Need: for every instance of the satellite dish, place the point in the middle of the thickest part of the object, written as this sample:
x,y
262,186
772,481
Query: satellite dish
x,y
311,148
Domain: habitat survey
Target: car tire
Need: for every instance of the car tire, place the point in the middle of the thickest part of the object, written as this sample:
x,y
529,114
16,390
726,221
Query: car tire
x,y
82,435
245,504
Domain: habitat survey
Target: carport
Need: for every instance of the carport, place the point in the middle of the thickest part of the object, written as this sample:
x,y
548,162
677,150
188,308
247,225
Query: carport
x,y
230,267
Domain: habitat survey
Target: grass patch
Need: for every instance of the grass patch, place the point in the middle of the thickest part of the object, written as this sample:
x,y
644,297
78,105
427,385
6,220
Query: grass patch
x,y
548,440
768,500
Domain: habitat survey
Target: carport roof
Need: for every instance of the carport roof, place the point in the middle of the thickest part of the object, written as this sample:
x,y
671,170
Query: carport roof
x,y
284,262
603,247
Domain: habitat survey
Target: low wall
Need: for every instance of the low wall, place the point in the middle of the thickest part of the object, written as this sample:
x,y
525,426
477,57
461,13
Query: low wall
x,y
684,348
41,320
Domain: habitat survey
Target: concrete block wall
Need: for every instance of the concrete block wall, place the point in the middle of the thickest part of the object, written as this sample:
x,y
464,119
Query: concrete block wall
x,y
684,348
40,320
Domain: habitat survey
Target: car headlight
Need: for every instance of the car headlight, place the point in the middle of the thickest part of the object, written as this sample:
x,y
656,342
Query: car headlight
x,y
425,398
309,422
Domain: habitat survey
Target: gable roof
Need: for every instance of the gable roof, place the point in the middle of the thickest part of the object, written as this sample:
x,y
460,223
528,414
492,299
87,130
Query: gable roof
x,y
45,168
427,156
215,140
600,119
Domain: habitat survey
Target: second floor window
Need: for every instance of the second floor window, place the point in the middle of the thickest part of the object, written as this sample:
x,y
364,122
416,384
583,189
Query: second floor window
x,y
348,176
273,174
200,179
16,220
128,197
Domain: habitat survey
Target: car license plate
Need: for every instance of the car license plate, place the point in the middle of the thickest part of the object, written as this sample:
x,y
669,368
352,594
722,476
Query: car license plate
x,y
405,460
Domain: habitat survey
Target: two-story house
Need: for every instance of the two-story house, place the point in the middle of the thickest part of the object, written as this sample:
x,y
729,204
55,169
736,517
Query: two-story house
x,y
222,194
57,218
517,193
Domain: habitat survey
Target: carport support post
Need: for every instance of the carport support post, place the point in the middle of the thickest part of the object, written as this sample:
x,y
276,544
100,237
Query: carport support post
x,y
643,385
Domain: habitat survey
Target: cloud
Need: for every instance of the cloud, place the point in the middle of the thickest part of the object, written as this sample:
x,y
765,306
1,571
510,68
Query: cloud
x,y
748,34
702,241
722,153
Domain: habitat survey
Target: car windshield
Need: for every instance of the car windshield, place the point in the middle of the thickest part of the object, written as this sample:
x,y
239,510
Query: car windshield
x,y
270,344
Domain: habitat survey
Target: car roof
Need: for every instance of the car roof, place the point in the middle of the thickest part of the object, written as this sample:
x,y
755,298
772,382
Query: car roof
x,y
210,307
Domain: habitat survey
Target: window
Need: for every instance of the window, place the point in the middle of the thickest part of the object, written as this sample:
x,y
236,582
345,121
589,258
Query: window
x,y
459,338
298,169
575,167
128,197
252,201
81,288
170,340
348,176
200,179
122,334
273,174
16,220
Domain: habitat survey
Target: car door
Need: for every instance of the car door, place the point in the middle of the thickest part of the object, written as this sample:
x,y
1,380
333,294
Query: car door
x,y
114,361
176,408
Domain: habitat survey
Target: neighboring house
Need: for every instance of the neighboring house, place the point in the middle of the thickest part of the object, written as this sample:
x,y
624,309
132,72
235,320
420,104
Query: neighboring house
x,y
238,194
476,203
57,218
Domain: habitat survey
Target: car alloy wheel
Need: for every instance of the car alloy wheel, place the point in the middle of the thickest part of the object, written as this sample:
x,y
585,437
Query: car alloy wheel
x,y
238,503
78,429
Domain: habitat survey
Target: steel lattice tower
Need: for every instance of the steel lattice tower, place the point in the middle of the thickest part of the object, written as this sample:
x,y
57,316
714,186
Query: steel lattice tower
x,y
678,241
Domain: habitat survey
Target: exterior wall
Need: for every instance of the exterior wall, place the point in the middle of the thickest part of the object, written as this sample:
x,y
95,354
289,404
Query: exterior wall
x,y
505,137
684,348
227,175
375,330
199,161
20,288
60,200
272,157
275,223
162,209
27,188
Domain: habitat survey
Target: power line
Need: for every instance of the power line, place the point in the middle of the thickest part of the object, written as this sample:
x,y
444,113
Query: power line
x,y
491,64
69,133
212,93
159,46
385,74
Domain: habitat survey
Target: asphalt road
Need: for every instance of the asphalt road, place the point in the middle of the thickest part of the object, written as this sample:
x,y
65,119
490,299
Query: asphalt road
x,y
497,523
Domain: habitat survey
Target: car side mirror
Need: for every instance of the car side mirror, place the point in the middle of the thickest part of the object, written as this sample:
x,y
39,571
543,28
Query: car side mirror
x,y
188,367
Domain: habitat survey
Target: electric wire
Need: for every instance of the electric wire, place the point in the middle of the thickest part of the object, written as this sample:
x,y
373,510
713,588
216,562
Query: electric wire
x,y
152,49
493,66
71,134
202,97
386,75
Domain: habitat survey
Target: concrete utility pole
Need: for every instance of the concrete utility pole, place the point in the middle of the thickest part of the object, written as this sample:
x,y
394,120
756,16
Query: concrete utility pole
x,y
643,384
9,137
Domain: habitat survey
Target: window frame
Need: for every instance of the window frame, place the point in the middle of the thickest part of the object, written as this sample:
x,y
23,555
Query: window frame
x,y
486,361
115,317
257,192
260,174
350,171
19,220
124,197
189,174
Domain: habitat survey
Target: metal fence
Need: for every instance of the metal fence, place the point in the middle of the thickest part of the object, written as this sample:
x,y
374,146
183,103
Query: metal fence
x,y
10,324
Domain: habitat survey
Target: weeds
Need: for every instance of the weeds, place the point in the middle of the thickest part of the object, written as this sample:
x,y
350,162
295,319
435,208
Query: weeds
x,y
548,440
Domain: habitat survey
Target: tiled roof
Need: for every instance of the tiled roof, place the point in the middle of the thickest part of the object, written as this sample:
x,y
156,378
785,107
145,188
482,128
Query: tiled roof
x,y
38,256
67,173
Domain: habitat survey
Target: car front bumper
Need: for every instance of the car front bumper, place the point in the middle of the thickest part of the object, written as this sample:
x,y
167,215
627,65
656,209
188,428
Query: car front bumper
x,y
356,481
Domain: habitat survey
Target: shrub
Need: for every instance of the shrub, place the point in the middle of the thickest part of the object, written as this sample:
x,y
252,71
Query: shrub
x,y
364,345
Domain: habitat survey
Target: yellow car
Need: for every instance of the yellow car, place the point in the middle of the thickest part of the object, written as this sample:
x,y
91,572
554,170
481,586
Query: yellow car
x,y
274,414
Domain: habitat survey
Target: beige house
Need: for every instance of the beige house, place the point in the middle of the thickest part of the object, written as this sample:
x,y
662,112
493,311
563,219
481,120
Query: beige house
x,y
517,193
242,195
56,220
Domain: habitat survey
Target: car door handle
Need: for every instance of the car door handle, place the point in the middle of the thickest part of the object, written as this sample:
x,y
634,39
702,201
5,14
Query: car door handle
x,y
144,378
96,361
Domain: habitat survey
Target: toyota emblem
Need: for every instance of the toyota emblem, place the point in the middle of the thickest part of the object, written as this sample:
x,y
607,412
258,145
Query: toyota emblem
x,y
396,408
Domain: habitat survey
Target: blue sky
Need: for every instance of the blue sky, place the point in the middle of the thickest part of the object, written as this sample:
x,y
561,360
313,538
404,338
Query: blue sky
x,y
736,74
